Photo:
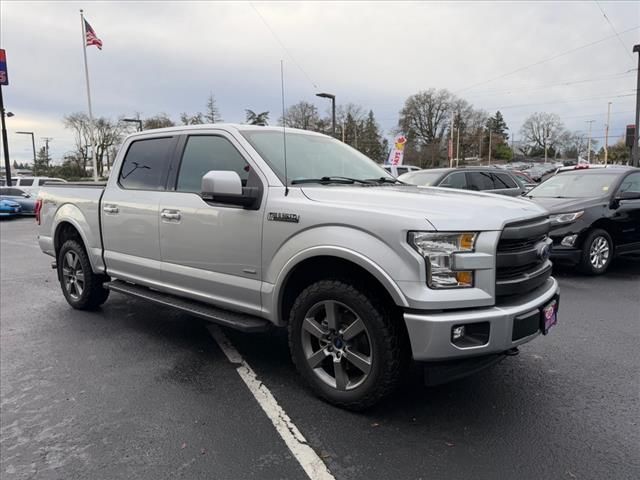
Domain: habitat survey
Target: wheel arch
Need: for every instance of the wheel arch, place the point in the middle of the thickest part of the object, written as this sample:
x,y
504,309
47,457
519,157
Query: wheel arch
x,y
69,222
330,262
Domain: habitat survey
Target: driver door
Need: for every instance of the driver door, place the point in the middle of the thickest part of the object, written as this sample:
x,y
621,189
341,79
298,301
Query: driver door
x,y
211,252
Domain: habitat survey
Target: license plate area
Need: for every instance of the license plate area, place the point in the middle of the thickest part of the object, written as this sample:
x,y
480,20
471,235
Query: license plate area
x,y
549,315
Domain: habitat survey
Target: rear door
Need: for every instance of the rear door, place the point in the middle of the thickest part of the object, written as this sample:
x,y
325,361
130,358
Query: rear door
x,y
627,215
211,252
130,211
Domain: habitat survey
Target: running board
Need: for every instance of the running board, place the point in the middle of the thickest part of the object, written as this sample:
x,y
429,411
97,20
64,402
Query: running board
x,y
226,318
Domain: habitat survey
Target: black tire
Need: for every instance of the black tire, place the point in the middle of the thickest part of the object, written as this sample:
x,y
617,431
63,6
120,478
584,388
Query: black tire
x,y
589,264
81,287
382,338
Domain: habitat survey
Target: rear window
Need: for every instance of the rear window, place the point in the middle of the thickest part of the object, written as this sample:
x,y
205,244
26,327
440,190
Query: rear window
x,y
145,164
25,182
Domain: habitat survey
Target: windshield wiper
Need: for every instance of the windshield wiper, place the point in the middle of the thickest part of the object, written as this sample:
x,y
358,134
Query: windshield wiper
x,y
394,181
327,180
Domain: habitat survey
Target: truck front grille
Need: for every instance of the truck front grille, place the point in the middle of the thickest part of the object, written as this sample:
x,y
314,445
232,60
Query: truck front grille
x,y
522,257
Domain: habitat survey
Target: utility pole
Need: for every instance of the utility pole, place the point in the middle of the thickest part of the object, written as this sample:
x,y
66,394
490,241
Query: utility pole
x,y
606,135
589,143
489,147
46,148
634,151
480,148
5,143
451,143
458,147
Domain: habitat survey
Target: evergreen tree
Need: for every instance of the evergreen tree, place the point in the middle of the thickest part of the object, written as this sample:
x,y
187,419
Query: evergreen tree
x,y
371,143
42,162
213,114
498,126
254,118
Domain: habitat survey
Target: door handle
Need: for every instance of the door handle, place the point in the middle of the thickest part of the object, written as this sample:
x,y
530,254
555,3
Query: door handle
x,y
170,215
110,209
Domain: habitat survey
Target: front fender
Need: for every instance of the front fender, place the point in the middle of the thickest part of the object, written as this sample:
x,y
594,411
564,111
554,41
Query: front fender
x,y
363,249
90,235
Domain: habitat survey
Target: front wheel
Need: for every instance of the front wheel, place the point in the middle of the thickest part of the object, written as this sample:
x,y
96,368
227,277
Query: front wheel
x,y
345,343
81,287
597,252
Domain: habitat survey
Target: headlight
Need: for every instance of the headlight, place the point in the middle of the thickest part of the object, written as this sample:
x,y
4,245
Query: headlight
x,y
565,217
437,250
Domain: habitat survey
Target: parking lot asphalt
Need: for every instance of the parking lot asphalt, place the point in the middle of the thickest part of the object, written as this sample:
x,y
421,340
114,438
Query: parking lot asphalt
x,y
139,392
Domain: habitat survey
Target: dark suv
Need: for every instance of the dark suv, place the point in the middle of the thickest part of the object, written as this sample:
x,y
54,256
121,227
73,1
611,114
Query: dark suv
x,y
484,179
595,215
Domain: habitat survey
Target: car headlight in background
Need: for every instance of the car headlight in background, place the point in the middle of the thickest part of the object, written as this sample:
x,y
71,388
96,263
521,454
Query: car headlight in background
x,y
438,249
565,217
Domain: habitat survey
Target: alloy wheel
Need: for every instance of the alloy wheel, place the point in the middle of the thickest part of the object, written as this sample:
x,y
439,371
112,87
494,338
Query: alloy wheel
x,y
73,275
337,345
599,252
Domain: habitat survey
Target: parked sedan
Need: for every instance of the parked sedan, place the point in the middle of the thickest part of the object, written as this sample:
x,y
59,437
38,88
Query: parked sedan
x,y
9,208
484,179
26,201
595,215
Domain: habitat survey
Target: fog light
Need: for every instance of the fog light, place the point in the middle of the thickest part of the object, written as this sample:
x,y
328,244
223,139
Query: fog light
x,y
457,333
569,240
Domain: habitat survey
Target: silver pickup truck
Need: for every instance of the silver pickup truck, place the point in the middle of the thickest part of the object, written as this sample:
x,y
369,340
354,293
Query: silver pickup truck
x,y
254,227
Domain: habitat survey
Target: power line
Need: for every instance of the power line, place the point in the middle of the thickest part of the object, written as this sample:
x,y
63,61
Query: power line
x,y
545,60
277,38
489,93
614,31
504,107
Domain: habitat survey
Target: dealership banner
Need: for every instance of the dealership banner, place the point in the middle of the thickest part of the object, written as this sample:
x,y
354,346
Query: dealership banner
x,y
397,152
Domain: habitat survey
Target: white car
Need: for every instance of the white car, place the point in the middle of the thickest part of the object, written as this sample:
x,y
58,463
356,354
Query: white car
x,y
32,185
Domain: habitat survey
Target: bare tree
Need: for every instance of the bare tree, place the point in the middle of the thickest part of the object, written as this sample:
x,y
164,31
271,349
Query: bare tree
x,y
78,123
195,119
543,131
424,119
301,115
160,120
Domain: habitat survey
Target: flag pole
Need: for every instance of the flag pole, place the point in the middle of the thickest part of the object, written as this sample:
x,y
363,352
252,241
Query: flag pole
x,y
86,74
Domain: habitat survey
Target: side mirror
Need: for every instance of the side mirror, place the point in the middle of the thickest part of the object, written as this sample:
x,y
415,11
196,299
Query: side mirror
x,y
26,195
223,186
628,196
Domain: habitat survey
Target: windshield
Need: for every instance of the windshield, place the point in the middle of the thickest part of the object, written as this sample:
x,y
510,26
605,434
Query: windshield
x,y
422,177
575,185
312,156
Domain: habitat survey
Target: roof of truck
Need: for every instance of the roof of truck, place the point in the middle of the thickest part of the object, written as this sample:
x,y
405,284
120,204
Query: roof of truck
x,y
223,126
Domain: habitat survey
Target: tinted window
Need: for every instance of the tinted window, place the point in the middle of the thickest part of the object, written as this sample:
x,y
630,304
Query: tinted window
x,y
454,180
631,183
503,180
421,177
145,164
26,182
480,181
205,153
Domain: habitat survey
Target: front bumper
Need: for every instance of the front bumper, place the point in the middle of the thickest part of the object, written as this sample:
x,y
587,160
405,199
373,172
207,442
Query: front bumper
x,y
564,255
430,333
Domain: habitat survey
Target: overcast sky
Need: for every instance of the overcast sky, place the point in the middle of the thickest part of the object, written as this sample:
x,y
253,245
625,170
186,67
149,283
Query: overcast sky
x,y
168,56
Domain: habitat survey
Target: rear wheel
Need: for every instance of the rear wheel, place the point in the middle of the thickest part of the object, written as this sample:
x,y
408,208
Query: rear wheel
x,y
81,287
345,343
597,252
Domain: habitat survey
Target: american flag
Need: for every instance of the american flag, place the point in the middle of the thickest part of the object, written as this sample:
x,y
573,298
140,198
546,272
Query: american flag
x,y
92,38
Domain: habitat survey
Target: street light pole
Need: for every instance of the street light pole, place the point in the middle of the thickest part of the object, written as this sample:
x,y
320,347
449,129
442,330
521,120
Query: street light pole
x,y
33,146
333,110
606,135
634,151
134,120
590,122
5,144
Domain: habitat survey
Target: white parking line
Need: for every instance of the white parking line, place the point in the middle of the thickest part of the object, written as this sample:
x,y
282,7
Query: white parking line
x,y
306,456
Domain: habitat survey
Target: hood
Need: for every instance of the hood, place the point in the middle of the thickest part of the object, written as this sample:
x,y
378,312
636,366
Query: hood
x,y
445,208
567,205
9,203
